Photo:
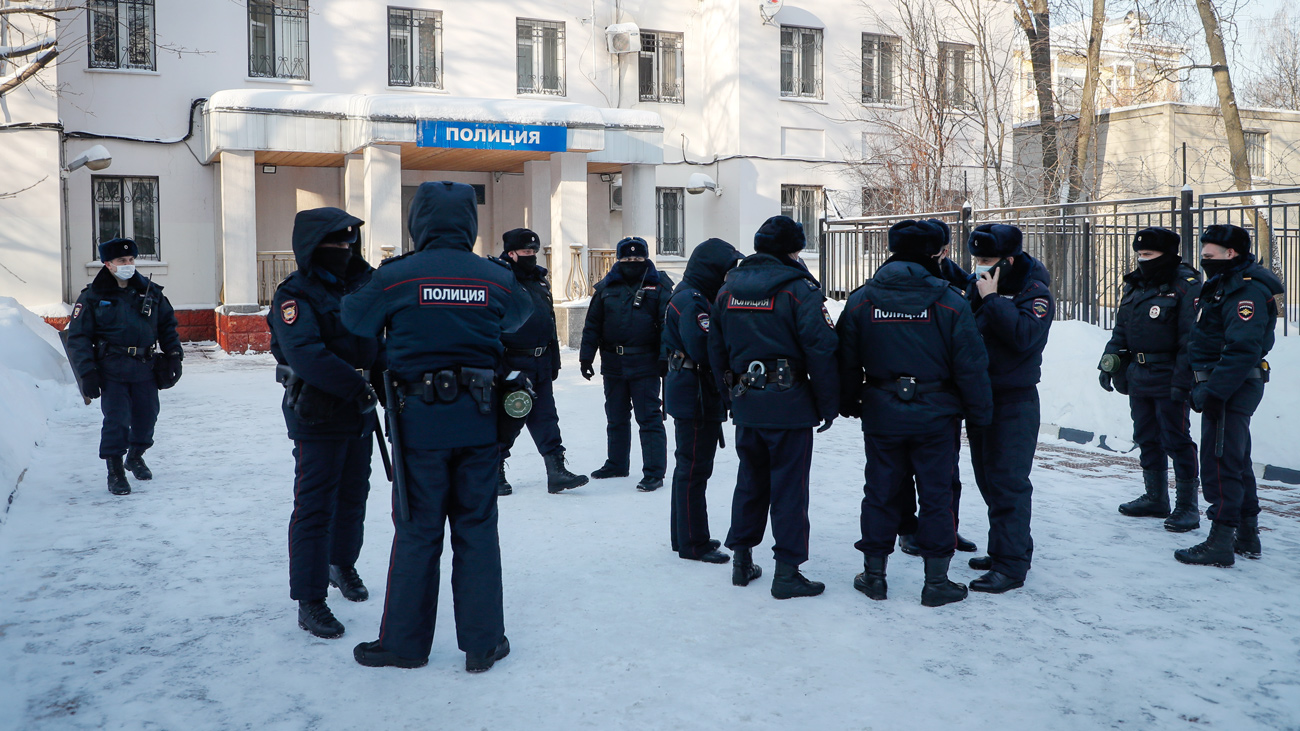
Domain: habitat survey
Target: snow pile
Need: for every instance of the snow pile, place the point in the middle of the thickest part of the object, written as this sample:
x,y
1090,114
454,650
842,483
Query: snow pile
x,y
35,381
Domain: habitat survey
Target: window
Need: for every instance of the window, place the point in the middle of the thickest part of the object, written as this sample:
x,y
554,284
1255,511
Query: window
x,y
121,34
670,209
414,48
955,74
126,208
878,54
1256,154
539,60
277,39
803,203
801,62
661,68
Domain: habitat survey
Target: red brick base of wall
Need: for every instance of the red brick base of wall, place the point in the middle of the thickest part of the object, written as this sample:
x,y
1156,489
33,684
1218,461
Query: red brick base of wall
x,y
191,325
58,323
243,333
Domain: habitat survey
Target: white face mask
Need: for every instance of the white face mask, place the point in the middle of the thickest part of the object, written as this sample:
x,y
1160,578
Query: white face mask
x,y
980,269
124,271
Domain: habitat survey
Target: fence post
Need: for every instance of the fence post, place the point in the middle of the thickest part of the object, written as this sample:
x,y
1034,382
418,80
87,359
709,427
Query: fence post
x,y
1090,311
1185,224
963,234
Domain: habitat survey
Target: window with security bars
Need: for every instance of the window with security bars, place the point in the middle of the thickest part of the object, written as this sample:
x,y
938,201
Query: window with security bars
x,y
126,208
670,207
661,77
278,45
414,48
1256,154
801,62
955,68
803,203
121,34
878,56
539,57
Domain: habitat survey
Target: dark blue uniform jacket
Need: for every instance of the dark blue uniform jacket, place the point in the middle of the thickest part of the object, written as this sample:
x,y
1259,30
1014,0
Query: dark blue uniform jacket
x,y
108,315
443,307
906,322
308,336
539,331
1156,317
769,309
614,319
1015,326
693,394
1234,328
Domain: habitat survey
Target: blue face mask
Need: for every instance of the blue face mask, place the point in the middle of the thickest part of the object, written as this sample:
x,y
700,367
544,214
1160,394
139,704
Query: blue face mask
x,y
980,269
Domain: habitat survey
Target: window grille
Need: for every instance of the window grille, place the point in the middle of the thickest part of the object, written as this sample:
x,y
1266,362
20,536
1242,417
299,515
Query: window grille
x,y
126,208
539,59
955,74
661,76
670,210
414,48
801,62
878,57
1256,149
803,203
278,44
121,34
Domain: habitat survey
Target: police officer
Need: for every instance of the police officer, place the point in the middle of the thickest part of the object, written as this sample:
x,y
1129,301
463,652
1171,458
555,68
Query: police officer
x,y
1013,308
1232,335
624,322
1146,359
911,362
691,397
444,310
773,344
329,409
534,351
123,347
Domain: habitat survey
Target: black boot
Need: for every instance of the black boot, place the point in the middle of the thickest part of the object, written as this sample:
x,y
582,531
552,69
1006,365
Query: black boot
x,y
481,663
346,580
503,485
608,470
966,546
117,483
1215,551
558,477
1187,512
995,582
938,590
316,618
981,563
789,583
650,484
907,544
872,580
373,655
743,569
1155,503
1247,543
135,463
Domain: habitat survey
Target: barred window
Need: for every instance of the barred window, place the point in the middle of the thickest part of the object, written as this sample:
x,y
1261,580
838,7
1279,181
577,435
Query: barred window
x,y
955,69
801,62
661,68
878,55
414,48
121,34
803,203
278,44
539,57
670,208
126,208
1256,154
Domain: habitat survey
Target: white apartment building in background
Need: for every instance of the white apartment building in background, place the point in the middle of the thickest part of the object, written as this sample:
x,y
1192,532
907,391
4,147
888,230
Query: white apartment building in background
x,y
585,121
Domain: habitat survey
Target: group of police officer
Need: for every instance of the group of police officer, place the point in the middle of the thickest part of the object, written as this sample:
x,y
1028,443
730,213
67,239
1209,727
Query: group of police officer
x,y
439,336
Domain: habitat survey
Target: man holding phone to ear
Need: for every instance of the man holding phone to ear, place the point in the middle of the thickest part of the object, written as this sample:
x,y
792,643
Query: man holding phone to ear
x,y
1013,307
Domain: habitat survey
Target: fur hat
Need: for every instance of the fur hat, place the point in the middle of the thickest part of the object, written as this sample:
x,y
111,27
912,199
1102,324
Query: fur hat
x,y
520,238
632,246
916,237
947,231
1227,236
779,235
995,240
1156,239
114,248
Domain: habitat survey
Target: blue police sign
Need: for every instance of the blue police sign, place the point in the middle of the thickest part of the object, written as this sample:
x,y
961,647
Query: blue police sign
x,y
492,136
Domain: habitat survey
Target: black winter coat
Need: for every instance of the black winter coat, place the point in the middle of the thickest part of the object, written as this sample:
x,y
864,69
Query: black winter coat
x,y
693,393
307,334
1155,317
1015,326
539,331
615,319
906,322
771,309
1234,330
134,316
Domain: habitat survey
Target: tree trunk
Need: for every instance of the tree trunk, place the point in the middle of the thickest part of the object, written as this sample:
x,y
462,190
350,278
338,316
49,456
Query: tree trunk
x,y
1088,104
1036,21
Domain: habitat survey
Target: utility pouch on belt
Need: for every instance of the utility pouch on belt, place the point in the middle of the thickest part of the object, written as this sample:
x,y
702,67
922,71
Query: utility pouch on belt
x,y
906,388
518,399
1265,370
675,360
480,381
1112,362
441,386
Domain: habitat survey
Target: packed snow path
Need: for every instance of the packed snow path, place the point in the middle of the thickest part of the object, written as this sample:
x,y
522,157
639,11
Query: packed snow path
x,y
169,609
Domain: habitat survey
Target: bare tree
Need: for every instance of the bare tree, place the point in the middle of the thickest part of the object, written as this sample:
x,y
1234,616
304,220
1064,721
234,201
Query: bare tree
x,y
1277,83
1035,18
1088,102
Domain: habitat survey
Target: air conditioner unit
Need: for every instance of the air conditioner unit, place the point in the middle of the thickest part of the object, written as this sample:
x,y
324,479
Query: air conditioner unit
x,y
616,195
623,38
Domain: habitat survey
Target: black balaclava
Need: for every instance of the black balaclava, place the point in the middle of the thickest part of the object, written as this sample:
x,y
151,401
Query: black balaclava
x,y
634,271
1159,269
525,264
333,260
1215,267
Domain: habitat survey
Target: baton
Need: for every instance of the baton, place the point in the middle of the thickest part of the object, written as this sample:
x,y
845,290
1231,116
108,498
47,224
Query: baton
x,y
383,448
395,435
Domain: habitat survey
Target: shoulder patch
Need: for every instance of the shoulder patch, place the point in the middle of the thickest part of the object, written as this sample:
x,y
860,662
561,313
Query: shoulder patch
x,y
1040,306
829,320
289,311
702,320
76,311
1245,310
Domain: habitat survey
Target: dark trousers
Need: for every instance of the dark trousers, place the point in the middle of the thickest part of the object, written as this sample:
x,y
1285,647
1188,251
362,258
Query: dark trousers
x,y
1002,455
907,524
130,412
773,475
330,487
1162,430
543,421
892,461
697,443
456,486
1228,481
623,396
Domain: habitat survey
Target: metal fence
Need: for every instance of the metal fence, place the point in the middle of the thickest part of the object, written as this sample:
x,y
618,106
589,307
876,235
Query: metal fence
x,y
1087,247
272,268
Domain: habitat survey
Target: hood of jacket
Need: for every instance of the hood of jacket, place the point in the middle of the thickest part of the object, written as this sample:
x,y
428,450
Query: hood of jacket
x,y
910,287
444,215
708,266
762,274
312,226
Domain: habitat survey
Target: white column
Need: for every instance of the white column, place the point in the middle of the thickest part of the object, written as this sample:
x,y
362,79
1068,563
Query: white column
x,y
568,216
382,184
537,200
354,185
238,186
639,201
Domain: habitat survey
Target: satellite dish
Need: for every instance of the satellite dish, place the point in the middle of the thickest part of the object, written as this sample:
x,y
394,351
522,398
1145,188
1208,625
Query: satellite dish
x,y
769,8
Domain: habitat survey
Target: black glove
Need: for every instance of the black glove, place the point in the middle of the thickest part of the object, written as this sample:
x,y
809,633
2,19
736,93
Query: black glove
x,y
1121,383
367,400
826,425
1105,379
90,385
663,369
586,370
1179,395
167,370
1212,408
377,384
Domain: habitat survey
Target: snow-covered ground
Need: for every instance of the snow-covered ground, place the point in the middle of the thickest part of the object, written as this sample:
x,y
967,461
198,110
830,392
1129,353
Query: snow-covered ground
x,y
169,609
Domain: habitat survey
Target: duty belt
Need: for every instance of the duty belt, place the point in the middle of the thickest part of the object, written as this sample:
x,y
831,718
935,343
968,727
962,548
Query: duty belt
x,y
1261,373
763,373
144,353
1148,358
529,352
908,387
678,361
446,385
629,349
